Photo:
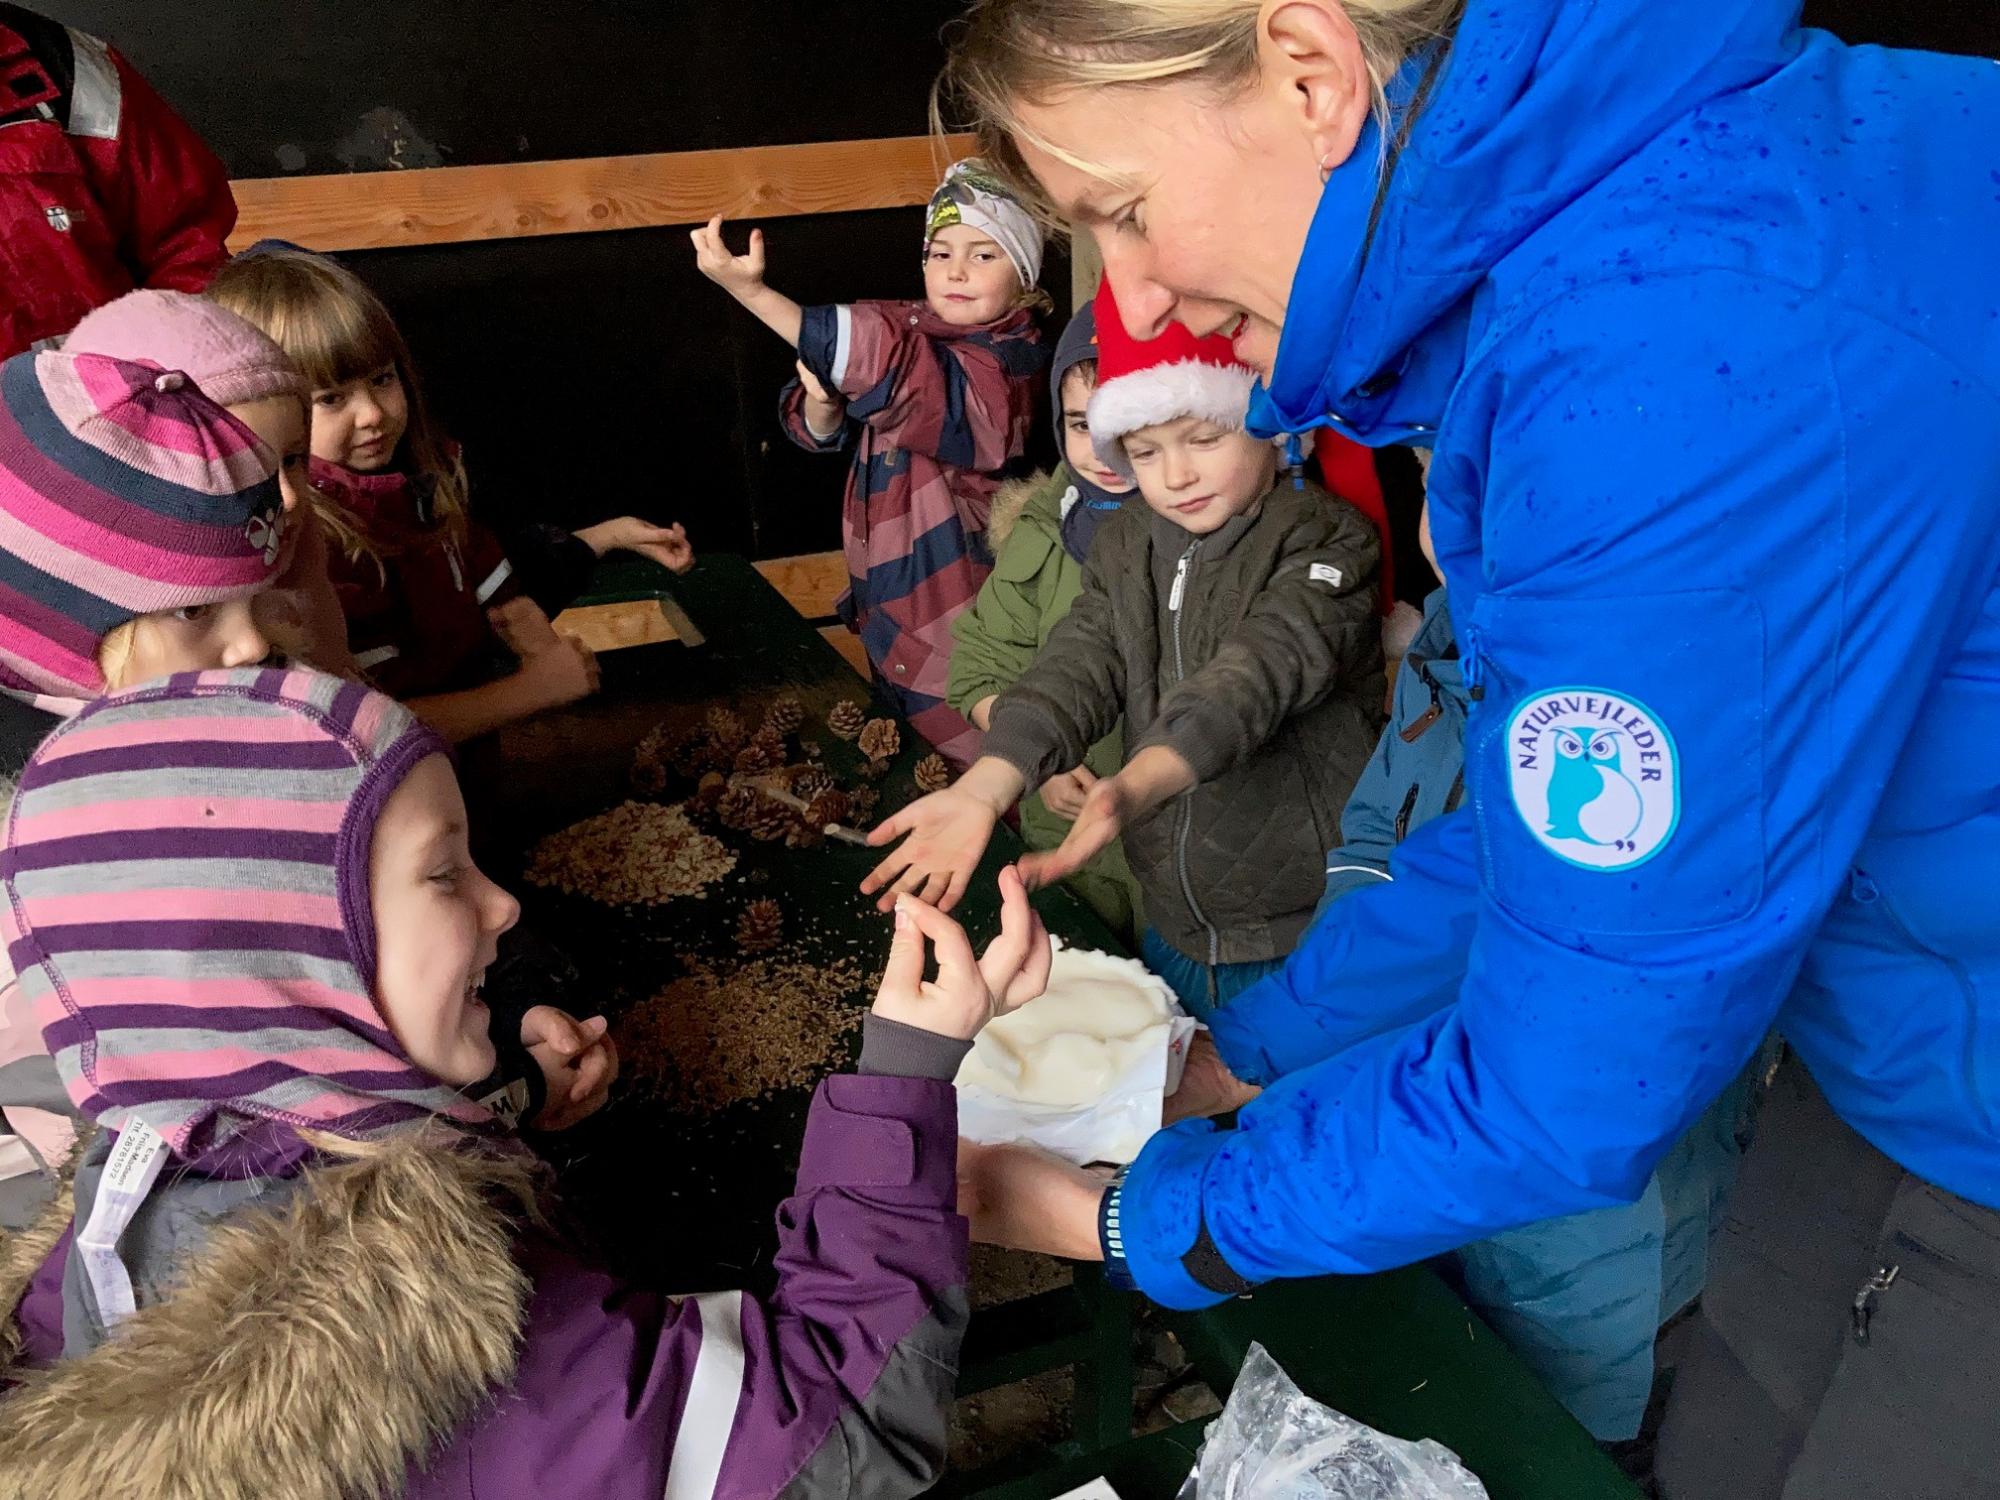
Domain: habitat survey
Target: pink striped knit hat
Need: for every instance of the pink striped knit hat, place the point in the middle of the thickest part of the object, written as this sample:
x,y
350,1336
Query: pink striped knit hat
x,y
123,490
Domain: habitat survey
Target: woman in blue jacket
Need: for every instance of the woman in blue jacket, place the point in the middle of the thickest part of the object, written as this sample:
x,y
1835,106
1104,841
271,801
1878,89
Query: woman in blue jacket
x,y
1697,310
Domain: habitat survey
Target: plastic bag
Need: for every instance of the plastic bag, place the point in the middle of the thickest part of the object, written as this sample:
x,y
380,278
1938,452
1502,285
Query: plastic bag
x,y
1273,1442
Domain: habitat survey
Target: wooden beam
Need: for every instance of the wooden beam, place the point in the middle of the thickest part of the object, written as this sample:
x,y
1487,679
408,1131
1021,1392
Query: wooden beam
x,y
512,200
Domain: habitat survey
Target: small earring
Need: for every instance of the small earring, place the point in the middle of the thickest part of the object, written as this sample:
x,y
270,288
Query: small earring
x,y
1325,171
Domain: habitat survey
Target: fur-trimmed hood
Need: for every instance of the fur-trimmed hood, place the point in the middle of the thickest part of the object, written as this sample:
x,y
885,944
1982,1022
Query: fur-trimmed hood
x,y
1017,497
315,1351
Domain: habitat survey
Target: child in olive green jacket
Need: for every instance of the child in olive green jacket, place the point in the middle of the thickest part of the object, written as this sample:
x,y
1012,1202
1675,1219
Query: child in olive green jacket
x,y
1040,532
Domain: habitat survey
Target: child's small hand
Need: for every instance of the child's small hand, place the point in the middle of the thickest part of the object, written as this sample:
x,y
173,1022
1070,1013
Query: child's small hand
x,y
665,545
739,275
824,410
579,1062
1064,794
948,831
561,673
1207,1086
1152,778
522,627
966,993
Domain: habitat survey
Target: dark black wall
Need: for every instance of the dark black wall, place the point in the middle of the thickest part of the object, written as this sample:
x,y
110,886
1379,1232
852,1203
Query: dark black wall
x,y
587,374
593,374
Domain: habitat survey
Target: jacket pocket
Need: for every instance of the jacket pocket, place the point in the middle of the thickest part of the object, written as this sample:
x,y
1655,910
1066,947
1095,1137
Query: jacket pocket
x,y
1615,762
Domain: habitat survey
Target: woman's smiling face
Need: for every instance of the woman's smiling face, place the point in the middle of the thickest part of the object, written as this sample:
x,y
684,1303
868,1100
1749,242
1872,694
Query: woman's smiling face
x,y
1201,202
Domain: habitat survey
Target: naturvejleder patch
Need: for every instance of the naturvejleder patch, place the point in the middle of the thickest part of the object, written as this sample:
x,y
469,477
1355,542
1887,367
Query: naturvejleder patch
x,y
1595,775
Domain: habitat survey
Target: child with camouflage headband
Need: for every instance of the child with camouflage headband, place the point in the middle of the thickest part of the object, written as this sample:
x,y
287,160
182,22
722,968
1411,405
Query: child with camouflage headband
x,y
935,397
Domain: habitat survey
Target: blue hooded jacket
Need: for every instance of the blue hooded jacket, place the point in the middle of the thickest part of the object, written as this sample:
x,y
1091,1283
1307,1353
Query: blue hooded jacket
x,y
1698,311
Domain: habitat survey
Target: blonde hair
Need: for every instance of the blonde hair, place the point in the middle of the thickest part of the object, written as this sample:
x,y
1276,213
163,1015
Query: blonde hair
x,y
114,652
1008,52
335,330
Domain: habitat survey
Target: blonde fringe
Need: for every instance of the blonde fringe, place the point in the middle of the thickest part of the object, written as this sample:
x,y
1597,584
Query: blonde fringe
x,y
1007,52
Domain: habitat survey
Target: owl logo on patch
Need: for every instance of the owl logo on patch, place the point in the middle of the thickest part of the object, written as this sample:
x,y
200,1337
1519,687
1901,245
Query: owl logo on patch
x,y
1595,776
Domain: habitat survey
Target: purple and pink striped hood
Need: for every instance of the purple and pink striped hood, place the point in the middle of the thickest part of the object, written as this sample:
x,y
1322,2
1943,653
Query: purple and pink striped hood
x,y
186,878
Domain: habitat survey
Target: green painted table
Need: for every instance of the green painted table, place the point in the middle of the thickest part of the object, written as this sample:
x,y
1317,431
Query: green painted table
x,y
686,1201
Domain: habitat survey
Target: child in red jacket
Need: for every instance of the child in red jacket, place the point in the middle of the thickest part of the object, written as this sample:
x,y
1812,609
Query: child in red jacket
x,y
103,188
935,397
431,596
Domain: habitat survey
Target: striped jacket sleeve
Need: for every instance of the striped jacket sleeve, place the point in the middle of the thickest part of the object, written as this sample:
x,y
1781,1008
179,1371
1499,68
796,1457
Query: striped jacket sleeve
x,y
962,401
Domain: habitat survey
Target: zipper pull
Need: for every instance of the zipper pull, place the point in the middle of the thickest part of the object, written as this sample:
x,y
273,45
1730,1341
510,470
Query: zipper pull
x,y
1180,582
1472,664
1295,460
1864,1310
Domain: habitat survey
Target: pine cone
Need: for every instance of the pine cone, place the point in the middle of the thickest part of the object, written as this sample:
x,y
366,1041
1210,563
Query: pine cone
x,y
879,739
847,719
725,728
649,777
803,835
811,749
807,782
764,753
761,927
771,821
784,716
861,804
829,806
739,806
708,796
933,773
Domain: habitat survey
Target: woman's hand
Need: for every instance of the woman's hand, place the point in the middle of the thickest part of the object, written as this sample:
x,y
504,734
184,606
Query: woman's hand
x,y
579,1063
1207,1086
966,993
739,275
1150,779
1064,794
665,545
1026,1199
948,832
824,410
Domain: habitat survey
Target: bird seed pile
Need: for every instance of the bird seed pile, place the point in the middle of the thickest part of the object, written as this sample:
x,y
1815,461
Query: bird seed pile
x,y
725,1034
637,853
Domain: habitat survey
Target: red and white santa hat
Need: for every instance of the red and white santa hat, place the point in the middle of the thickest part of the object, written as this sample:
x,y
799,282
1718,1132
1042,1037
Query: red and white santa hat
x,y
1142,384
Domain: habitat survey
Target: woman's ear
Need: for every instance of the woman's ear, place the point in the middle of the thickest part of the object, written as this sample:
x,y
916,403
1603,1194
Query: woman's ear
x,y
1310,58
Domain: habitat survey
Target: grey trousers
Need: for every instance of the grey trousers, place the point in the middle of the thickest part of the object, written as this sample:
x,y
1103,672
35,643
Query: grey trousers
x,y
1786,1389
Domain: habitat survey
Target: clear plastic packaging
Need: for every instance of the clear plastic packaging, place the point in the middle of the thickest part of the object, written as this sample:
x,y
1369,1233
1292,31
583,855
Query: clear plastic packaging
x,y
1273,1442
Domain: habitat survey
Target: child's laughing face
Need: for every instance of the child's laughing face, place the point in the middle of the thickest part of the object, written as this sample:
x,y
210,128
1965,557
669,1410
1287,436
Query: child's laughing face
x,y
968,279
1200,475
438,922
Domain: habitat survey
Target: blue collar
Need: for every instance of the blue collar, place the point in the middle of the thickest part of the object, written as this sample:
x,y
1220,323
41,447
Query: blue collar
x,y
1329,371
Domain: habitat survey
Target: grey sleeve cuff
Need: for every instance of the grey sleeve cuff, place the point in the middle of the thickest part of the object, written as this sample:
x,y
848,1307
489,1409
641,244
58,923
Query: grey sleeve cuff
x,y
894,1050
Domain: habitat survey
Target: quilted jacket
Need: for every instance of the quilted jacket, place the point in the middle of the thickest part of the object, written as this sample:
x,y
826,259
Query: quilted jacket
x,y
1254,652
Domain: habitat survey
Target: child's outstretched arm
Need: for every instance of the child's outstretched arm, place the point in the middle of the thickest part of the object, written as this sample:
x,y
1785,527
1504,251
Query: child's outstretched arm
x,y
554,670
1065,702
961,401
742,276
839,1382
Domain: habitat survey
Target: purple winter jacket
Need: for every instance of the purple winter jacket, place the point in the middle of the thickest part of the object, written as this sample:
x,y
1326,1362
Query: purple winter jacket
x,y
468,1354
